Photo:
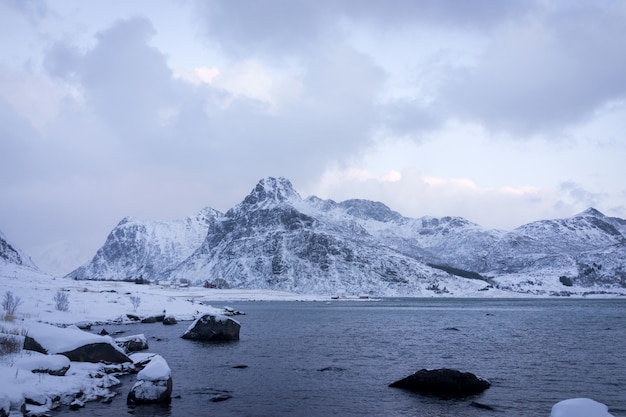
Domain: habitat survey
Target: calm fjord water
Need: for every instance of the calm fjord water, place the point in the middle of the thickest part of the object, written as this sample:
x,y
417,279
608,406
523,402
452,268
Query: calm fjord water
x,y
323,359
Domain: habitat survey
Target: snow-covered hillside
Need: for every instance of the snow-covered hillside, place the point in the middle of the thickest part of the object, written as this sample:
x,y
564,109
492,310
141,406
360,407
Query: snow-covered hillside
x,y
11,254
275,239
138,249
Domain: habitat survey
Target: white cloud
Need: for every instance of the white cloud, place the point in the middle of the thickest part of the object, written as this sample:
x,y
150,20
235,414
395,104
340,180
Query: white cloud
x,y
415,195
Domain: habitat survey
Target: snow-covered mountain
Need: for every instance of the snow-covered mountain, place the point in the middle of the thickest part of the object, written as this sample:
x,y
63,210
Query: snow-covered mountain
x,y
9,253
137,249
276,239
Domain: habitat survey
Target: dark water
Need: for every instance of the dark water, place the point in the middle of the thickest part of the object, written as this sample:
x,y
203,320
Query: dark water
x,y
319,359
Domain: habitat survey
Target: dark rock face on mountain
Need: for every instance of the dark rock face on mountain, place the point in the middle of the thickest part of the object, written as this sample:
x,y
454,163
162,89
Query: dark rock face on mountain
x,y
10,254
141,250
274,239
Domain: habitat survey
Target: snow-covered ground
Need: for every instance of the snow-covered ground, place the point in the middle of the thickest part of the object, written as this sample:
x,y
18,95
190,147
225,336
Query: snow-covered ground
x,y
108,300
88,302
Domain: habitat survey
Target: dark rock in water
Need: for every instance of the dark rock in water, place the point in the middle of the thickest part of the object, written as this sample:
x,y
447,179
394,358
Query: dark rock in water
x,y
133,343
481,406
240,366
96,352
83,325
154,383
169,320
331,368
446,383
221,397
76,404
133,317
212,328
149,319
456,329
103,332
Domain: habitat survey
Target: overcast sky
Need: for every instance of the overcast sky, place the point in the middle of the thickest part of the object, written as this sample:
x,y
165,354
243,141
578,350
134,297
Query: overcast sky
x,y
503,112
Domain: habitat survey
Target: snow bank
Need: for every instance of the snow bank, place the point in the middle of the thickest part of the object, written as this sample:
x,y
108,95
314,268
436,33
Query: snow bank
x,y
580,407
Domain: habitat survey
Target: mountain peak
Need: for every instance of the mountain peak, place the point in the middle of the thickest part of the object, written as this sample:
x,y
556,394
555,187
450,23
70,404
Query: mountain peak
x,y
272,189
590,212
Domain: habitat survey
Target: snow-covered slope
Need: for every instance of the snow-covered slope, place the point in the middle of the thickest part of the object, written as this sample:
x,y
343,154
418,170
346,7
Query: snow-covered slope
x,y
9,253
275,239
137,249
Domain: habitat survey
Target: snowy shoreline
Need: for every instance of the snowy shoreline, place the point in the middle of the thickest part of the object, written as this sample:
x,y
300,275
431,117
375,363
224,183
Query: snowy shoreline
x,y
105,302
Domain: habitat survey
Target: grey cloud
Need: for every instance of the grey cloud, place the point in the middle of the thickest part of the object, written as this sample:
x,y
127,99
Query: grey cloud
x,y
293,26
127,83
546,72
580,195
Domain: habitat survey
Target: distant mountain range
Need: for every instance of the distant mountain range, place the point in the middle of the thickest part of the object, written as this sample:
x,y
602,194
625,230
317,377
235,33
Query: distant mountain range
x,y
277,240
274,239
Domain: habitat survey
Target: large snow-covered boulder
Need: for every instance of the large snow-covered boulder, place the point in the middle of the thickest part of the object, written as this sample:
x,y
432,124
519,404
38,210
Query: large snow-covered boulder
x,y
580,407
212,327
154,383
75,344
448,383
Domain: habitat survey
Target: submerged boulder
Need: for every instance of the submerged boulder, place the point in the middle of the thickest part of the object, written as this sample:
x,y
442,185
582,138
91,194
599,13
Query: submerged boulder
x,y
448,383
154,383
132,343
210,327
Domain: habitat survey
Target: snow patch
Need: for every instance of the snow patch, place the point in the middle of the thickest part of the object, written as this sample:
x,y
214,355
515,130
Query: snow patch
x,y
580,407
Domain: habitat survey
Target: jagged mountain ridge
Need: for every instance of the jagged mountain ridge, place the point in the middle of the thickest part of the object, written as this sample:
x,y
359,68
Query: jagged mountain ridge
x,y
275,239
137,249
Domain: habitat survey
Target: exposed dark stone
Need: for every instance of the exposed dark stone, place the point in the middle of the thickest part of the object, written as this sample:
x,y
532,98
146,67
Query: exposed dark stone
x,y
103,332
32,344
149,319
54,372
331,368
154,383
221,397
133,317
446,383
169,320
132,343
240,366
96,352
135,395
213,328
481,406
